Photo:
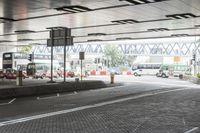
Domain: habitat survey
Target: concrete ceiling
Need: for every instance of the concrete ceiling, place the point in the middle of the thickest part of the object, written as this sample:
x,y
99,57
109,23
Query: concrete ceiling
x,y
24,22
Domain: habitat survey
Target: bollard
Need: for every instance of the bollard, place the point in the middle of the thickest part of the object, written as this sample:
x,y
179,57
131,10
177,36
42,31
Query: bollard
x,y
76,80
112,75
19,78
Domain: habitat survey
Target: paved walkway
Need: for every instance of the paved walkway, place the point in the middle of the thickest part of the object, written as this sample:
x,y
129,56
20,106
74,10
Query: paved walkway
x,y
136,108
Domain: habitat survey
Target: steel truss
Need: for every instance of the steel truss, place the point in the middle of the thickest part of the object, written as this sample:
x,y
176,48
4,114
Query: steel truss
x,y
158,49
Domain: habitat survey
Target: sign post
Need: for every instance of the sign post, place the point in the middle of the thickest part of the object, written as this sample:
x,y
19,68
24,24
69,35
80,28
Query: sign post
x,y
59,36
82,57
65,34
52,43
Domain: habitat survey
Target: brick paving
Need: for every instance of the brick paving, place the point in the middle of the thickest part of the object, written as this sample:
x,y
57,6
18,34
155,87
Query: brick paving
x,y
174,112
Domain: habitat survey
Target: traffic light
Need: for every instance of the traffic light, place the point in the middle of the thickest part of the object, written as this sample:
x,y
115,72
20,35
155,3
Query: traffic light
x,y
194,57
98,60
30,57
72,63
95,60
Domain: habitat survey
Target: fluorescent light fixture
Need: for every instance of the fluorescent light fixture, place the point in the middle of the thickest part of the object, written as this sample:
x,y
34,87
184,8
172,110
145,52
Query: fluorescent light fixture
x,y
24,40
197,26
125,21
24,31
180,35
96,34
73,9
3,41
181,16
137,2
94,40
124,38
158,29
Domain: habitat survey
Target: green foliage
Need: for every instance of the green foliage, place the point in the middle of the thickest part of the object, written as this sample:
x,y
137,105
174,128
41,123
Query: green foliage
x,y
198,75
25,49
115,55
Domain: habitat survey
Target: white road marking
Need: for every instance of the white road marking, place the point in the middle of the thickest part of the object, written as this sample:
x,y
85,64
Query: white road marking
x,y
8,102
167,84
83,107
193,129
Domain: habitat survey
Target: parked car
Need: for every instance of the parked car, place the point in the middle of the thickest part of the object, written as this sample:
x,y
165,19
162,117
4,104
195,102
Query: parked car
x,y
48,74
10,74
1,74
39,74
70,74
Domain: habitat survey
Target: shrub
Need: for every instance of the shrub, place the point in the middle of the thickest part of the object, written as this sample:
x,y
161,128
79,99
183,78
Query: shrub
x,y
198,75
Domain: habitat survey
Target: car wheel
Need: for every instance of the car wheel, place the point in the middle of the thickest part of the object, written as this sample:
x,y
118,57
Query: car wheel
x,y
180,76
164,76
157,75
135,74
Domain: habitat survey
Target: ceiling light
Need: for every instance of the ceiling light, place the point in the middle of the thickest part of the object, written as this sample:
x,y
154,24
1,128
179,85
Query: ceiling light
x,y
181,16
197,26
158,29
73,9
94,40
24,31
137,2
179,35
2,41
96,34
125,21
124,38
24,39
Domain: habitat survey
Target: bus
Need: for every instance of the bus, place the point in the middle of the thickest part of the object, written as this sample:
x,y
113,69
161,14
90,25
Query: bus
x,y
145,69
174,70
42,68
15,61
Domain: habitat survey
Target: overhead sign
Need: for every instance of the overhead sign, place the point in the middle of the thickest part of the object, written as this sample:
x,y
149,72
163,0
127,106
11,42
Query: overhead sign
x,y
177,58
60,37
60,33
81,55
60,42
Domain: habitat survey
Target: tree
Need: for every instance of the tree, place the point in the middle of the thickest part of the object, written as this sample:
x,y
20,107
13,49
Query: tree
x,y
115,55
25,49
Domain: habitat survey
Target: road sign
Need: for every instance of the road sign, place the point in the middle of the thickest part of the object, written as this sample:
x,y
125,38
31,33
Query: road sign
x,y
30,57
60,42
60,37
60,33
81,55
177,58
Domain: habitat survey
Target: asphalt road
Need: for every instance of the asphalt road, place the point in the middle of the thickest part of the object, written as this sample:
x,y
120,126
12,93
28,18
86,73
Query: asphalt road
x,y
143,105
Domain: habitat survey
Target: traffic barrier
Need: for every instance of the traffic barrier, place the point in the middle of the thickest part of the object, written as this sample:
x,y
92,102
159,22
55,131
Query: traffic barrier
x,y
93,72
129,73
103,72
